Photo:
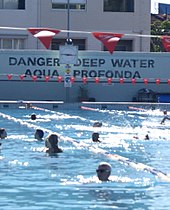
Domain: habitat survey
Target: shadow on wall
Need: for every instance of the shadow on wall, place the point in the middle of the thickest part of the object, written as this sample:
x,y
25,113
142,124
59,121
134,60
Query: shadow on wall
x,y
83,94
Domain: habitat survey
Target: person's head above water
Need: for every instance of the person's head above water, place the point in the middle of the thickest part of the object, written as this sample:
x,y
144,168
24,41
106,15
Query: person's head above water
x,y
53,140
165,112
3,133
97,124
95,137
33,117
147,137
103,171
51,143
39,134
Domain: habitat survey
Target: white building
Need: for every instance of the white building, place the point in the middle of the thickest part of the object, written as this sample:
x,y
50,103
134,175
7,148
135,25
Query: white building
x,y
119,16
32,73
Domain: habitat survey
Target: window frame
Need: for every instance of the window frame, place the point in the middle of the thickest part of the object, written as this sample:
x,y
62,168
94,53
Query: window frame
x,y
122,6
80,42
20,5
13,43
77,5
127,44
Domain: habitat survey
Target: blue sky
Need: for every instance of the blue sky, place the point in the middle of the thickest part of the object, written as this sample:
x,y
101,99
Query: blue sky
x,y
154,5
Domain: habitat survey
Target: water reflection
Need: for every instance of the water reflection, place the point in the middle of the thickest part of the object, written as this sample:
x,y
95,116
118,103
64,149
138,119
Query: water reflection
x,y
121,198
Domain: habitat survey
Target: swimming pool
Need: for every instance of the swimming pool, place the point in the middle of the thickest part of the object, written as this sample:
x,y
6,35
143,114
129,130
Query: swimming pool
x,y
31,179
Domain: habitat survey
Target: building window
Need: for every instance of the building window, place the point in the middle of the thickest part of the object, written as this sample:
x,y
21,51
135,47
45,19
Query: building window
x,y
118,6
12,43
73,4
12,4
123,45
81,43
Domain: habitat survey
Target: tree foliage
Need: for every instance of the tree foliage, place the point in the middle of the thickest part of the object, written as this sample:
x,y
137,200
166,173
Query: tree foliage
x,y
159,28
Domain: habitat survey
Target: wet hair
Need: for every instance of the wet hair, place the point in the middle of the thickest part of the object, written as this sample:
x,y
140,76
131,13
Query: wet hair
x,y
39,134
3,133
33,117
165,111
51,143
95,137
53,139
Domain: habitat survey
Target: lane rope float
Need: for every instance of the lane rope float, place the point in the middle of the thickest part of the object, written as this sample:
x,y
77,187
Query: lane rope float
x,y
137,108
89,108
138,166
54,112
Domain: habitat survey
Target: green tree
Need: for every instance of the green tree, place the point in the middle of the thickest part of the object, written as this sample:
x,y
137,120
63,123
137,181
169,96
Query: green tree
x,y
159,28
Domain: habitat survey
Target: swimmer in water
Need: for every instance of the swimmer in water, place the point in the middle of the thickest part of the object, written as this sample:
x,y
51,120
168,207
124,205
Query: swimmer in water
x,y
51,144
3,133
104,171
39,134
95,137
165,117
33,117
97,124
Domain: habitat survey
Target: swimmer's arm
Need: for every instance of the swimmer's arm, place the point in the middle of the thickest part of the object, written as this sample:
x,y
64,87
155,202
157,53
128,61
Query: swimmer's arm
x,y
165,118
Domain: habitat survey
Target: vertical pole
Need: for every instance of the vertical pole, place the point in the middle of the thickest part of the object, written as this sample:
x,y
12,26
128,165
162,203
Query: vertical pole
x,y
68,18
38,17
68,37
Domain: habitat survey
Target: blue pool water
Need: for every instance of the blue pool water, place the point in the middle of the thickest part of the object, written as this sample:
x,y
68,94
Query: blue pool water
x,y
30,179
